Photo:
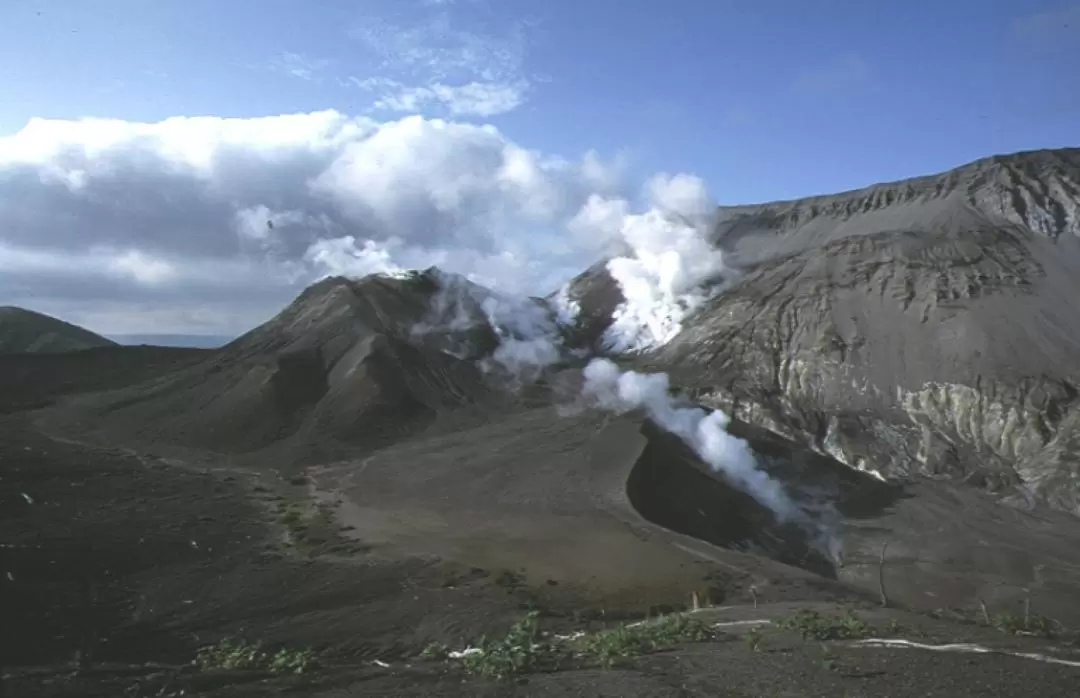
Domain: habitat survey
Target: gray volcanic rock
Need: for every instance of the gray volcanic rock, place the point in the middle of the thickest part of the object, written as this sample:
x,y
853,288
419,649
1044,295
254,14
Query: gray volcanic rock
x,y
24,331
925,327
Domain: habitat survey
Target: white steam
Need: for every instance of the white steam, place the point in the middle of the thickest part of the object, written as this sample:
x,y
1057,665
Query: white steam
x,y
705,432
671,266
528,332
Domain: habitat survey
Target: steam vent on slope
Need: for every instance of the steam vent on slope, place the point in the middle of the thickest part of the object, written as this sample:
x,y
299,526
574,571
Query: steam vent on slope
x,y
895,365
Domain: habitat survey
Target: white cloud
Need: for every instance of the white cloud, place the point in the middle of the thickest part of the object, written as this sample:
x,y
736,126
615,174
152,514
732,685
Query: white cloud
x,y
141,267
471,99
681,194
435,48
433,66
599,220
302,67
234,216
346,256
189,210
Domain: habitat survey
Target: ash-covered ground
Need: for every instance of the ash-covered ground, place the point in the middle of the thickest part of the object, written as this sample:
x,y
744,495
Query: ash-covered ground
x,y
411,459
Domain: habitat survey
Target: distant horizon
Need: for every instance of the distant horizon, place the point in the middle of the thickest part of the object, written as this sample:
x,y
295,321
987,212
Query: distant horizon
x,y
196,341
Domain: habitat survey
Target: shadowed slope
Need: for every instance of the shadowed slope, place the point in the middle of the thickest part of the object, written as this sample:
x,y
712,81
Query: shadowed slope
x,y
30,381
24,331
338,370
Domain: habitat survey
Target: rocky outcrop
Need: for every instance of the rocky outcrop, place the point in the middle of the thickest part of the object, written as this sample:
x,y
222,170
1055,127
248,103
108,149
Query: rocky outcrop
x,y
928,327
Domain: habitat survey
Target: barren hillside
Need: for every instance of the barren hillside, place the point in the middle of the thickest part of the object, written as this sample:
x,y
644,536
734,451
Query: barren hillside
x,y
24,331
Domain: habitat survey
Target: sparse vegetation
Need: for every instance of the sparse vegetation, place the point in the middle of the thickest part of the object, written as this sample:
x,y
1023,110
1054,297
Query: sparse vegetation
x,y
526,648
435,652
611,647
313,530
828,658
753,639
812,625
510,580
1019,625
230,654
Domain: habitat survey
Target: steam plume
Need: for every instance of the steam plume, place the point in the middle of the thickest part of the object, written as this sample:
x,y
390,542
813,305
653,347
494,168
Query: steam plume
x,y
671,266
527,332
705,432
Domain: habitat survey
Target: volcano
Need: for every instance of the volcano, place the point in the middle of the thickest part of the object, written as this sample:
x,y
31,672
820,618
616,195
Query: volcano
x,y
373,469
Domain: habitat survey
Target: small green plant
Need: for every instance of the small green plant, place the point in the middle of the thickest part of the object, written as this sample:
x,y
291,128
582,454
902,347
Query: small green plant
x,y
233,654
828,658
524,649
753,639
291,661
1018,625
435,652
811,625
612,647
312,529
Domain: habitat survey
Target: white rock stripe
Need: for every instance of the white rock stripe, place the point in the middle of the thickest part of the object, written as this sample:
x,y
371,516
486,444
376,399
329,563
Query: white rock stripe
x,y
963,647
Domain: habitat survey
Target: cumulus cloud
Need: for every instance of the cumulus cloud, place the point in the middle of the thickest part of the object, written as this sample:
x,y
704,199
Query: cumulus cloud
x,y
138,210
193,209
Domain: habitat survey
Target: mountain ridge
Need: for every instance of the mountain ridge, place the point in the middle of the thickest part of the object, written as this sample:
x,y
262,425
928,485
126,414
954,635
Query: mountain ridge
x,y
973,175
919,327
28,331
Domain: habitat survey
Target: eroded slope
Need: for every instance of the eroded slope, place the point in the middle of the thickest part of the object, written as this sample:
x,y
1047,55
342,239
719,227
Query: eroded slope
x,y
922,327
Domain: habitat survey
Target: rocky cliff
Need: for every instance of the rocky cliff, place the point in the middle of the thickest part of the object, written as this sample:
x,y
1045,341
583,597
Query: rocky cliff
x,y
924,327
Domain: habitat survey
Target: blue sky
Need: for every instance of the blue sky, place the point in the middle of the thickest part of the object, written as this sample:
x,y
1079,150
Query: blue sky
x,y
187,167
764,100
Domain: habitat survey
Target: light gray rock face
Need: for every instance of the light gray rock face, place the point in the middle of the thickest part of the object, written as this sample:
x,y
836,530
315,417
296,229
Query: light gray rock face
x,y
926,327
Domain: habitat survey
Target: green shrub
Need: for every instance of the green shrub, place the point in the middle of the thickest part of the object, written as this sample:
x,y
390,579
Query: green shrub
x,y
233,654
436,651
616,645
1017,625
526,648
811,625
